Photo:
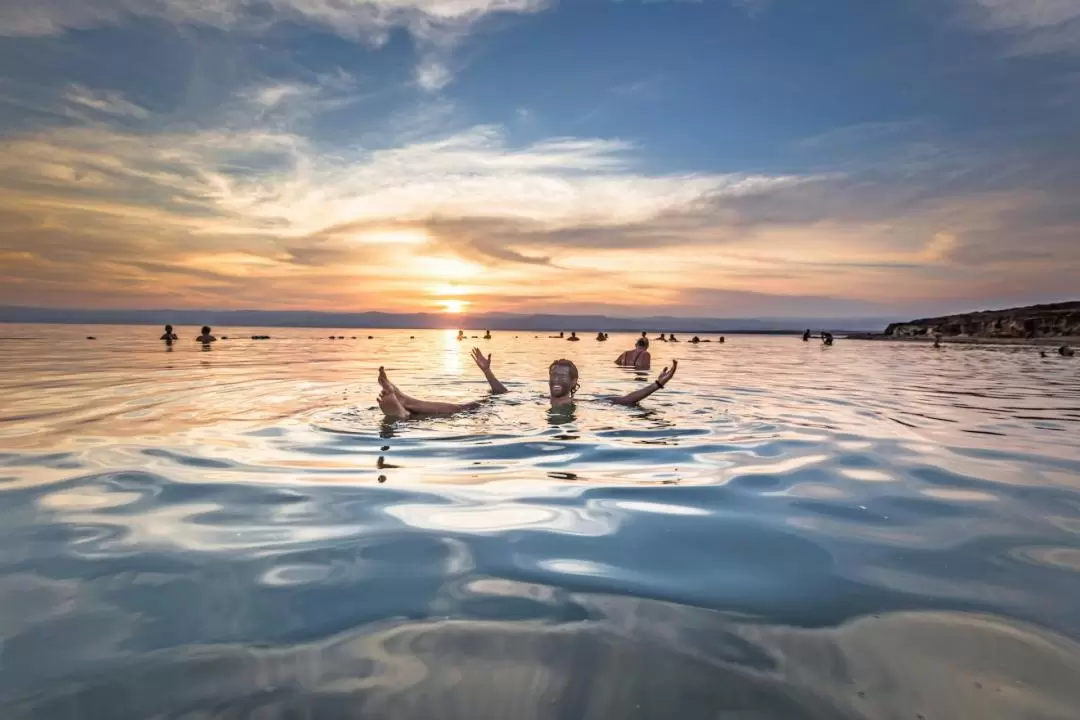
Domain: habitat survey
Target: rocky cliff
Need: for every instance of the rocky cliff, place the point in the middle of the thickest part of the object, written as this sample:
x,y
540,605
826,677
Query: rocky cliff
x,y
1035,321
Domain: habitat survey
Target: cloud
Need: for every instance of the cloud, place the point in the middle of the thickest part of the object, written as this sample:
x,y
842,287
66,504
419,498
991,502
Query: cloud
x,y
262,216
240,211
108,102
1035,26
436,26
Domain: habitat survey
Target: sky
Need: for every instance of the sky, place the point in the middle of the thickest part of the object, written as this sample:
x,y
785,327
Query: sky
x,y
718,158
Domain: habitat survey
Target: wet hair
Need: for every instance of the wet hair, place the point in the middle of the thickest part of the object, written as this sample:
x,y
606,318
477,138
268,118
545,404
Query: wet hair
x,y
573,372
168,328
205,329
642,343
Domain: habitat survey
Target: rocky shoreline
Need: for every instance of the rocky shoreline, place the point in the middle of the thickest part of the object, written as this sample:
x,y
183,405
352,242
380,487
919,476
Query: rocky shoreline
x,y
1054,324
968,340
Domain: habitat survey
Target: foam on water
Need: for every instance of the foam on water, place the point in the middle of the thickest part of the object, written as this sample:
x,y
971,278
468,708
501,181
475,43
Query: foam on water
x,y
866,531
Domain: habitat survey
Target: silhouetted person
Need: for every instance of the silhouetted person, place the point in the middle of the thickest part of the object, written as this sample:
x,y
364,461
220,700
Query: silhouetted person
x,y
600,337
560,336
826,338
672,338
206,338
638,358
487,334
695,340
937,342
1042,353
806,336
721,339
169,335
460,334
662,338
573,337
1066,351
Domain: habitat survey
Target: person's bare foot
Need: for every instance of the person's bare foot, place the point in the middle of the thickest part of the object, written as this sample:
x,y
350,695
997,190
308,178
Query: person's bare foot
x,y
391,405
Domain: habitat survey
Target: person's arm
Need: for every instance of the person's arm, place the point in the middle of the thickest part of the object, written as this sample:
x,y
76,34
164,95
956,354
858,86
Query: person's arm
x,y
484,363
621,360
638,395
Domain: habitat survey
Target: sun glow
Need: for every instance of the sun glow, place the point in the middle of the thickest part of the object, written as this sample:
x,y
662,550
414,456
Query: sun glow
x,y
454,307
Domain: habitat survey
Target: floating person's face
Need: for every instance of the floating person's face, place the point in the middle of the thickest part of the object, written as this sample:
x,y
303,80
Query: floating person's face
x,y
562,378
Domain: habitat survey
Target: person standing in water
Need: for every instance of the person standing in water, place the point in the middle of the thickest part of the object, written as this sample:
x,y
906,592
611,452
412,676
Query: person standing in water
x,y
487,334
806,335
206,338
169,335
562,384
637,358
573,337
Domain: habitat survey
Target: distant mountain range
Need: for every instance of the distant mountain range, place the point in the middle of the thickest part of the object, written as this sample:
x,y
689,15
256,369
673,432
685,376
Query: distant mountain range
x,y
491,321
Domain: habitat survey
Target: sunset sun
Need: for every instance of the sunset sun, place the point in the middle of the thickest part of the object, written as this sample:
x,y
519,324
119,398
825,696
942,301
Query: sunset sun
x,y
454,307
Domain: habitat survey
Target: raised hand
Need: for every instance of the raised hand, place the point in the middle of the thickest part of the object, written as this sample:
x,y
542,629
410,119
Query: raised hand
x,y
667,374
484,363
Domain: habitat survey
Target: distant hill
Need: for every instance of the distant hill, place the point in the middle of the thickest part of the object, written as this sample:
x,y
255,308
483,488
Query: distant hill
x,y
492,321
1033,321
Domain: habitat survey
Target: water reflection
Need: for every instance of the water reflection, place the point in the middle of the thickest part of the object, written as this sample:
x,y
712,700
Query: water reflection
x,y
879,531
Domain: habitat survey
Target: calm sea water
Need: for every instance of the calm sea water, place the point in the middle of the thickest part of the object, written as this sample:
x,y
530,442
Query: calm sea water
x,y
867,531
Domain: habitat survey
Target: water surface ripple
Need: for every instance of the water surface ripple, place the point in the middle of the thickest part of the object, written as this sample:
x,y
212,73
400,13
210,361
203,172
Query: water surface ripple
x,y
871,530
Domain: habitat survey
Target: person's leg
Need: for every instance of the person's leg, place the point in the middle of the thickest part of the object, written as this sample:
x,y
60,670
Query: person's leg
x,y
391,406
425,407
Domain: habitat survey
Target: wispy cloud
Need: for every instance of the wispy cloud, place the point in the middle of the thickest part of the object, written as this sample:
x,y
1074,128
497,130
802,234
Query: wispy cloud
x,y
1034,26
437,26
108,102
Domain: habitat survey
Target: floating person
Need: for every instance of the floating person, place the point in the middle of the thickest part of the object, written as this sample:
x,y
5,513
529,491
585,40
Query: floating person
x,y
1066,351
1042,353
662,338
638,358
695,340
600,337
826,338
560,336
487,334
206,338
573,337
460,334
169,335
562,385
806,335
672,338
722,339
